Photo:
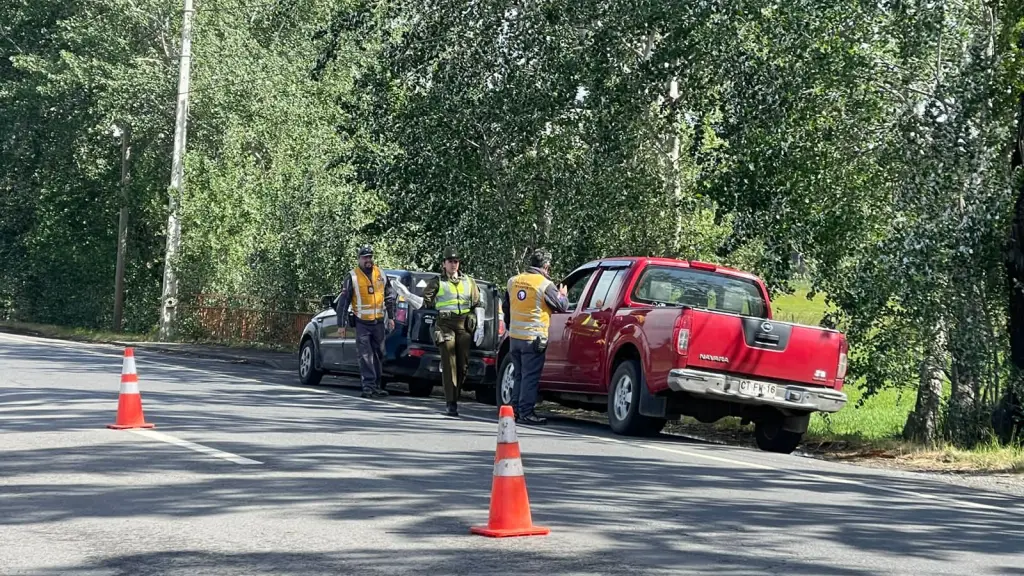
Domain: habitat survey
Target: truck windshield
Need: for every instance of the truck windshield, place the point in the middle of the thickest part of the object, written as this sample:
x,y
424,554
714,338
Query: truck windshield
x,y
671,286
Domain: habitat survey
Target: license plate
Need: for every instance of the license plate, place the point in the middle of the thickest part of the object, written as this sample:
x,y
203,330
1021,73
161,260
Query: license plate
x,y
757,388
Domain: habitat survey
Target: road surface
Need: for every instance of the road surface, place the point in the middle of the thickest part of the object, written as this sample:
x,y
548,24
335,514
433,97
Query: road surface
x,y
249,473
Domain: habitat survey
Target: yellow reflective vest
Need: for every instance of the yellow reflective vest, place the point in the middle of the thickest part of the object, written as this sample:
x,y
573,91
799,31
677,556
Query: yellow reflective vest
x,y
368,295
529,313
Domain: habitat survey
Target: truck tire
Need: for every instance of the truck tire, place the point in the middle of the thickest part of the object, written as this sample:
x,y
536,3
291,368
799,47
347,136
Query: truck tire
x,y
421,388
770,437
308,374
624,403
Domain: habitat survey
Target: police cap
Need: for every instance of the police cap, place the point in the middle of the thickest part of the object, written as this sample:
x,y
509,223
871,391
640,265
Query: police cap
x,y
365,250
451,254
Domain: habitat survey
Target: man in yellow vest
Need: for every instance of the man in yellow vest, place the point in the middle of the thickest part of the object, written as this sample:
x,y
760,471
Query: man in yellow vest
x,y
530,300
456,298
372,298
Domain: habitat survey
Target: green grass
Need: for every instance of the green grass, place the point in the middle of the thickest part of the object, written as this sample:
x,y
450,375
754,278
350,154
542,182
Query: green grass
x,y
797,308
881,417
68,333
107,337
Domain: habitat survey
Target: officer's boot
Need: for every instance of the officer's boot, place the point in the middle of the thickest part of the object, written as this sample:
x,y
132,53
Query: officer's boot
x,y
453,409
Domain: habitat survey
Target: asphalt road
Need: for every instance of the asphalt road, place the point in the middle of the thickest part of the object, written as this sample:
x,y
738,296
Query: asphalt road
x,y
249,473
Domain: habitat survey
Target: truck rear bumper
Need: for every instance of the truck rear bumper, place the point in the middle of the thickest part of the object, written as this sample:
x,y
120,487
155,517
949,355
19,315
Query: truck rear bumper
x,y
729,388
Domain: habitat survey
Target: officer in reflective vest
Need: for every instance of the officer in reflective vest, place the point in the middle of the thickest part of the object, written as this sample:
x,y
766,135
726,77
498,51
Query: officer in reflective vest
x,y
459,314
530,300
372,299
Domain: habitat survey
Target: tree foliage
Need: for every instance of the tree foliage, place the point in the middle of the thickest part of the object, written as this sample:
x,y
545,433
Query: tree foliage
x,y
870,140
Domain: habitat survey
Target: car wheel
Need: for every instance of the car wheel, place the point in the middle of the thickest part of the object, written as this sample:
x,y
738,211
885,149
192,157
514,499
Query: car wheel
x,y
421,388
624,403
506,381
770,437
308,373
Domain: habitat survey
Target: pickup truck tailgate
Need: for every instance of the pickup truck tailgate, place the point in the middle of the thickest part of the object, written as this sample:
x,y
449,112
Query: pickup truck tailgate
x,y
767,349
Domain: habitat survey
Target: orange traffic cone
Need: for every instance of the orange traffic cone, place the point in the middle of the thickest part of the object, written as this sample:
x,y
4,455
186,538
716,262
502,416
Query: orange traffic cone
x,y
129,403
510,505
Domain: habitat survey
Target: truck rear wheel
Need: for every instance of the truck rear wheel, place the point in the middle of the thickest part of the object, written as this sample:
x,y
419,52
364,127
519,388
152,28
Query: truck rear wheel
x,y
770,437
624,403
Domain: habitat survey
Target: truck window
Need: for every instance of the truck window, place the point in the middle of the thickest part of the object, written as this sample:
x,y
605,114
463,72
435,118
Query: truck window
x,y
575,285
671,286
607,287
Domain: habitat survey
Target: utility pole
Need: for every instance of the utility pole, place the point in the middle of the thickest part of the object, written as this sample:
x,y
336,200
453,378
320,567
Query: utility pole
x,y
169,299
123,129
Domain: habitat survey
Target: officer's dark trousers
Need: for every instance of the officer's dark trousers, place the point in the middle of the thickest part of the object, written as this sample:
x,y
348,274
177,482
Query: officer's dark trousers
x,y
527,365
370,343
454,355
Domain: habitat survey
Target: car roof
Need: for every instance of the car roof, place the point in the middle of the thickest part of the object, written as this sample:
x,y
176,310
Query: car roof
x,y
660,261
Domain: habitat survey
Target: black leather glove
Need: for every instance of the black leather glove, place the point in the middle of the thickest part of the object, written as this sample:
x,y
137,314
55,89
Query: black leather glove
x,y
471,323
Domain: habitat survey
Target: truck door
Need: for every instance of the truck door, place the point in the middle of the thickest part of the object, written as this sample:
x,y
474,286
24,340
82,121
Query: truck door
x,y
556,374
588,330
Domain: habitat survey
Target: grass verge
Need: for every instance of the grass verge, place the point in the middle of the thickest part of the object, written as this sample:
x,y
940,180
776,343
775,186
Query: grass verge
x,y
107,337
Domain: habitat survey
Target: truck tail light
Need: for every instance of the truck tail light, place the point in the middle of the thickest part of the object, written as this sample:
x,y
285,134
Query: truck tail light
x,y
682,338
843,365
683,341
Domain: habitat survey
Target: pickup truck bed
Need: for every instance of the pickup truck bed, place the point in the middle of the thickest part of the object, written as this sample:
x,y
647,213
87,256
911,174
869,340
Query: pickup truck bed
x,y
651,339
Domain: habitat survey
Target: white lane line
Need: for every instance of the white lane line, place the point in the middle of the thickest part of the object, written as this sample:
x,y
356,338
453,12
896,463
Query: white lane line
x,y
196,447
549,432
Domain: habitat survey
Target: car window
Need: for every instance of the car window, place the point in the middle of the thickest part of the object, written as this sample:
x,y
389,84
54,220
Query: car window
x,y
672,286
576,284
418,282
607,287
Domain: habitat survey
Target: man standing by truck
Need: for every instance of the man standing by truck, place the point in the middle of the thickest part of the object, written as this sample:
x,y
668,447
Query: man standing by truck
x,y
459,315
370,293
531,298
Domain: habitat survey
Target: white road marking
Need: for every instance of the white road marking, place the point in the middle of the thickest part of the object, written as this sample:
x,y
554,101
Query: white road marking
x,y
196,447
549,432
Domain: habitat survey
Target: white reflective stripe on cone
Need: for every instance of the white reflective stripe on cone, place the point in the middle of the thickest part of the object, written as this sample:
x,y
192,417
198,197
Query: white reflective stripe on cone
x,y
129,365
507,431
129,387
508,467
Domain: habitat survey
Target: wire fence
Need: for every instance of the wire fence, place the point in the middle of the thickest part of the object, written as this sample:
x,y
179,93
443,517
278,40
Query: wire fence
x,y
244,320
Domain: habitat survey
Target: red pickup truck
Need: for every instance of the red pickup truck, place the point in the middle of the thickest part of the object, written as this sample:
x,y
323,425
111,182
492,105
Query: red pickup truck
x,y
652,339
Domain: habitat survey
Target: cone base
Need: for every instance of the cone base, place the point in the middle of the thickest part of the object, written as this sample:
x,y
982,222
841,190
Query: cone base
x,y
510,532
125,427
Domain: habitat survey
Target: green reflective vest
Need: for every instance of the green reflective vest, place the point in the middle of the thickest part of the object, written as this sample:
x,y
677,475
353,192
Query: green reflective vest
x,y
456,298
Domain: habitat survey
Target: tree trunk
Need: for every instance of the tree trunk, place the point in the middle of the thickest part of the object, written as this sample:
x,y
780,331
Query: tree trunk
x,y
963,425
923,423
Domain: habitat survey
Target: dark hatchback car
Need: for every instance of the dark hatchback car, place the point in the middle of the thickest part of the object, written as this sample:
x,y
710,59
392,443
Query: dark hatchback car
x,y
409,352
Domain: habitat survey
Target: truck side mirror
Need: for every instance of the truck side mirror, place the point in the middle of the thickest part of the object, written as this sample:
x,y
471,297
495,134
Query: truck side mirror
x,y
326,301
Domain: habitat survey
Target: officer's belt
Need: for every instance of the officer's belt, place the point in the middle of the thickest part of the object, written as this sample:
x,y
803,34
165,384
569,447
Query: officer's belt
x,y
450,314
